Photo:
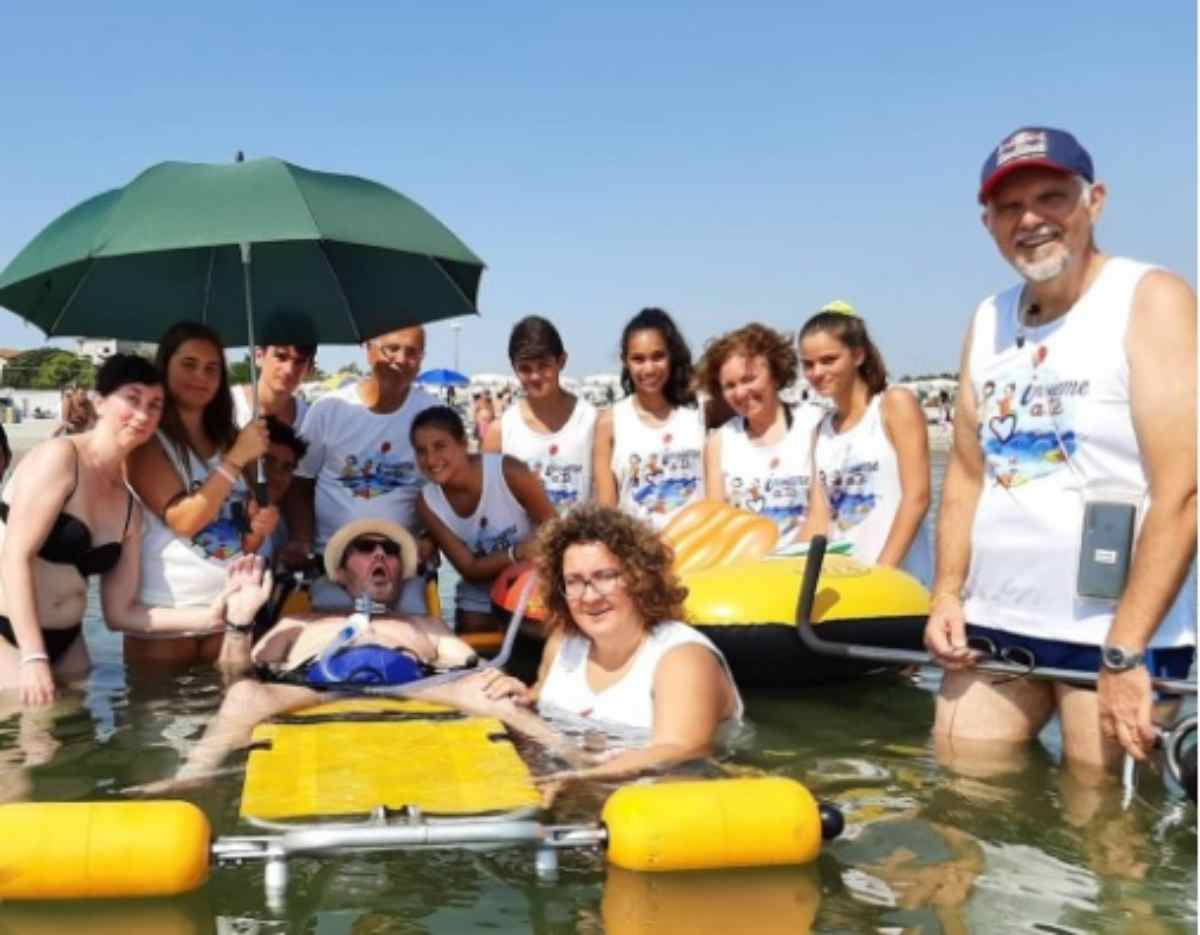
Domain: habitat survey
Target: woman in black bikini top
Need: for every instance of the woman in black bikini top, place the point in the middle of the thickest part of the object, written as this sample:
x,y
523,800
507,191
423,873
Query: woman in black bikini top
x,y
67,514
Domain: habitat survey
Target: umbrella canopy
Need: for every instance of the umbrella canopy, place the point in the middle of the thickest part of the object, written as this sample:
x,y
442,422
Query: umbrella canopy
x,y
443,377
336,259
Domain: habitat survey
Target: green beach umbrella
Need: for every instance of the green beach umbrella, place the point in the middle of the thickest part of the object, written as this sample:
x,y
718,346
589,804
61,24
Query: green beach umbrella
x,y
261,247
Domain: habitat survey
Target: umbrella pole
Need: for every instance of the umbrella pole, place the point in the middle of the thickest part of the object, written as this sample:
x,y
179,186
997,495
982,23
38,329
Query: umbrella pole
x,y
260,483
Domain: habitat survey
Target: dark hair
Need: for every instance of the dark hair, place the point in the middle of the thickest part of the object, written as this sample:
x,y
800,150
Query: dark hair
x,y
440,417
752,340
218,414
307,351
646,563
280,433
678,388
534,337
5,451
851,330
122,369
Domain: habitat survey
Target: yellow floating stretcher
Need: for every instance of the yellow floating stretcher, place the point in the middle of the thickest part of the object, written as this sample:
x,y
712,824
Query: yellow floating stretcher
x,y
352,756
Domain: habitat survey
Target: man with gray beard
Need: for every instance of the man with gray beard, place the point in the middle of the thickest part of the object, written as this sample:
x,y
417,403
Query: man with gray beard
x,y
1067,534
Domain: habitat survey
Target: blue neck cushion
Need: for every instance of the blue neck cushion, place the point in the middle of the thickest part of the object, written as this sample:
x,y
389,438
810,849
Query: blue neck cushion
x,y
365,665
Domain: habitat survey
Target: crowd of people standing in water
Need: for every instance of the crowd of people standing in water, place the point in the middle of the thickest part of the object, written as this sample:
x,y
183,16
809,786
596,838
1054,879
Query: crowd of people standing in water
x,y
379,478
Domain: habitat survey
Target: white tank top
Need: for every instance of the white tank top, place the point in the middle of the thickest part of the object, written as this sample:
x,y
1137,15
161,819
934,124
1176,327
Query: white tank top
x,y
562,461
1054,417
658,470
630,701
178,572
770,479
242,411
498,522
861,474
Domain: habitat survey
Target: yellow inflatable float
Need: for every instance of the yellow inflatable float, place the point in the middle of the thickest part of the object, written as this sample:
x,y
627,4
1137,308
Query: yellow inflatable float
x,y
743,596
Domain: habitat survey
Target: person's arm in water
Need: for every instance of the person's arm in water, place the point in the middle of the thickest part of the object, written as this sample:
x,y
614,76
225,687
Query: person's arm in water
x,y
124,613
603,481
39,490
904,424
160,488
1161,348
946,632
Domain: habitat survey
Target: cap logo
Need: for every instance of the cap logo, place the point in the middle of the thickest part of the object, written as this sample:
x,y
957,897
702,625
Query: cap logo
x,y
1024,144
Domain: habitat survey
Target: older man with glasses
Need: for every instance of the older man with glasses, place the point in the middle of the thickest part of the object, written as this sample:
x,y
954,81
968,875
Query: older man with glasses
x,y
360,461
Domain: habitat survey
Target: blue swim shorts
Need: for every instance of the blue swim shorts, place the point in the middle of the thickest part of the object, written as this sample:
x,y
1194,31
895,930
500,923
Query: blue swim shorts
x,y
1173,663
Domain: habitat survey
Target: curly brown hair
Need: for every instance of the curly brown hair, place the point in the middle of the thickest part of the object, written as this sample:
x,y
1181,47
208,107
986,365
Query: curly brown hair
x,y
753,340
645,562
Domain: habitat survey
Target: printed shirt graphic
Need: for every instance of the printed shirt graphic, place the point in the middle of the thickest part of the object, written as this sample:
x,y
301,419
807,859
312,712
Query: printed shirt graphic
x,y
488,541
376,471
560,478
221,539
853,491
1026,417
778,494
665,480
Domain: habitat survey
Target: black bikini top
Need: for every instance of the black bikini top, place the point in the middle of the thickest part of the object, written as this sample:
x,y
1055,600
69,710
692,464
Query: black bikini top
x,y
70,540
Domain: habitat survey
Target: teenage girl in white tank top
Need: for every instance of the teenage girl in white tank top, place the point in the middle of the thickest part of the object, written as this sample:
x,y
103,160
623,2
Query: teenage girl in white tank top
x,y
871,454
481,510
551,430
649,447
759,460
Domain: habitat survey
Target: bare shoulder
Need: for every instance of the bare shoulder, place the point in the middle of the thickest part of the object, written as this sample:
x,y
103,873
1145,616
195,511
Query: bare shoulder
x,y
1163,300
900,401
692,660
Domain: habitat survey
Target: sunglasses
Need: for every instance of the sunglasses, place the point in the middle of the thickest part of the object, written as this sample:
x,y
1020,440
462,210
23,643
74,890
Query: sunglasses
x,y
365,546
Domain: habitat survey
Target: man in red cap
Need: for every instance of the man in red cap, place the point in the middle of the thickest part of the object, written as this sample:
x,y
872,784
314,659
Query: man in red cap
x,y
1067,533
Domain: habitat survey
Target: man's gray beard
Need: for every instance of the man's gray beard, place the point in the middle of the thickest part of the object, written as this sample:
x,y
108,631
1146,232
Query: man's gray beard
x,y
1043,270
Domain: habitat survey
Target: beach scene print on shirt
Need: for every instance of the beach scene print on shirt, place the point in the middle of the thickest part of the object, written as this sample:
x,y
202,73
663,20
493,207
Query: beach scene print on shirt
x,y
663,481
1027,418
489,542
377,471
221,539
560,479
852,492
783,499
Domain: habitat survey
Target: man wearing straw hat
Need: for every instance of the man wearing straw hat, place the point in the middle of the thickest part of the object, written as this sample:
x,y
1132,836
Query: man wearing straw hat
x,y
1067,532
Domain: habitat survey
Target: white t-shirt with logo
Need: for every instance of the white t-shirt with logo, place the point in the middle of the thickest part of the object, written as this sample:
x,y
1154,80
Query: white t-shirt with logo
x,y
561,460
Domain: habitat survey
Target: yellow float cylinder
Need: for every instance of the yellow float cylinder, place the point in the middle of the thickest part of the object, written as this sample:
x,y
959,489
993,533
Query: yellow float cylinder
x,y
98,850
709,825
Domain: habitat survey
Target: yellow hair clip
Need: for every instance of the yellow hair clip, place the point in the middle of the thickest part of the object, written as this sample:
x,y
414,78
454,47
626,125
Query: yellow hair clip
x,y
838,307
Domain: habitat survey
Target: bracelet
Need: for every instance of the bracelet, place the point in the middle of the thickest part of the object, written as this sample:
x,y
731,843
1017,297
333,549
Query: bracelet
x,y
34,657
226,473
239,627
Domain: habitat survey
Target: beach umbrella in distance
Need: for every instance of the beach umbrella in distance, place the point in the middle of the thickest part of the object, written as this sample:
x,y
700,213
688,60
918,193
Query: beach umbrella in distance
x,y
264,252
443,377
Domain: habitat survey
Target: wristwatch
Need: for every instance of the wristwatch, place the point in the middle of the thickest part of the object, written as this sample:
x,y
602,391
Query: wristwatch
x,y
1120,659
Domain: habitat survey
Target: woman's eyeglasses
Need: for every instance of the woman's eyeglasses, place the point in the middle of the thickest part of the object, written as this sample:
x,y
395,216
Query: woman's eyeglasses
x,y
602,582
368,546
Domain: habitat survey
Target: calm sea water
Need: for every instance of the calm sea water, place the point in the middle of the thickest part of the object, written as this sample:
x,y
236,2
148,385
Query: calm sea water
x,y
928,849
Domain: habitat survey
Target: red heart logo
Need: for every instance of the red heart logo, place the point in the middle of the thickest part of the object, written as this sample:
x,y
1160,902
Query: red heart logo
x,y
553,450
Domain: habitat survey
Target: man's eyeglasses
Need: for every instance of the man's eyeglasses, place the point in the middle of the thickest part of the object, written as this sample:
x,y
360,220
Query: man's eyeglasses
x,y
365,546
602,582
406,351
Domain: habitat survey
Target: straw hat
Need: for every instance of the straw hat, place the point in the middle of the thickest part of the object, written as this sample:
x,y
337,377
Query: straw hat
x,y
341,540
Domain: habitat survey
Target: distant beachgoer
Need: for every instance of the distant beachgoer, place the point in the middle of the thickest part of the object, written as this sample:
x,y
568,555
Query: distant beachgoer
x,y
67,514
482,510
77,413
551,430
360,460
648,454
874,440
761,458
485,415
617,652
189,477
1068,520
281,369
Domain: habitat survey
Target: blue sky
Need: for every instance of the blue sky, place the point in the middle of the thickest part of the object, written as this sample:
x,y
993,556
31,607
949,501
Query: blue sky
x,y
728,164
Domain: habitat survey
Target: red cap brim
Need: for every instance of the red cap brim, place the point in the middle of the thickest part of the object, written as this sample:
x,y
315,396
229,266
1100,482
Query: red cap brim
x,y
1017,164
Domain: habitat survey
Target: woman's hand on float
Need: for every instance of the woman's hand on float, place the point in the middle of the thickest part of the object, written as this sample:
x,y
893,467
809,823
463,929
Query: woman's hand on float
x,y
248,587
36,683
497,686
251,443
946,633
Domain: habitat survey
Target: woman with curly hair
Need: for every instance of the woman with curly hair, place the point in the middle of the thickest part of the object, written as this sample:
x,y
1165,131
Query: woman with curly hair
x,y
617,652
648,454
871,452
760,460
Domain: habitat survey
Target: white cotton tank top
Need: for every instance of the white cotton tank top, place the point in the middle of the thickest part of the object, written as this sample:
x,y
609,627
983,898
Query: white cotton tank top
x,y
659,470
498,522
861,474
1054,420
179,572
771,480
628,702
561,460
242,411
